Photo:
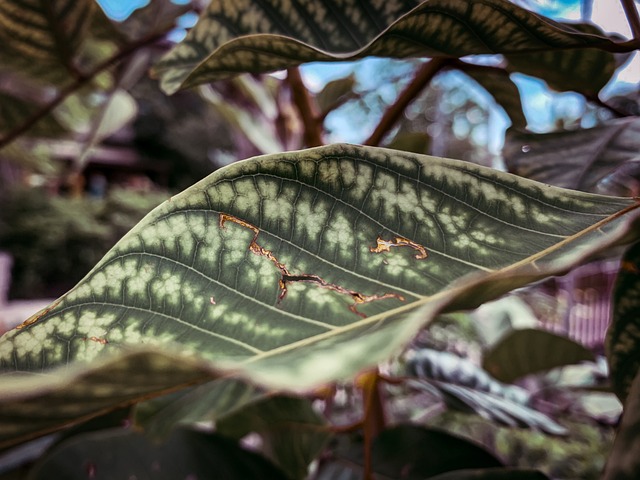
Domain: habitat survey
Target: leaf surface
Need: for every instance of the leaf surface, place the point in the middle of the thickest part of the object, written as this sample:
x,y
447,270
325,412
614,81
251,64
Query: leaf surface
x,y
243,36
526,351
294,270
577,159
42,38
623,336
118,453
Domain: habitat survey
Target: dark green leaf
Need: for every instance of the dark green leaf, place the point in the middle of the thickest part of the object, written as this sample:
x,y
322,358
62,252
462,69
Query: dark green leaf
x,y
585,70
234,38
574,159
412,452
42,38
14,111
624,462
493,474
292,432
295,270
119,453
335,93
527,351
415,142
209,402
623,336
498,83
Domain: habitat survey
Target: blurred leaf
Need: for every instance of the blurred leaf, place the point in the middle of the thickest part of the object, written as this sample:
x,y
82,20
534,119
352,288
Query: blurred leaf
x,y
492,474
42,38
413,452
293,433
573,159
526,351
14,111
257,129
498,83
119,453
414,142
335,93
585,70
118,109
295,270
624,462
156,17
240,37
209,402
623,336
466,387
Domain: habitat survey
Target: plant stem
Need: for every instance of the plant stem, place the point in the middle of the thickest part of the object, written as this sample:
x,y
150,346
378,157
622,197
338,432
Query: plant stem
x,y
421,79
374,416
302,99
76,85
631,12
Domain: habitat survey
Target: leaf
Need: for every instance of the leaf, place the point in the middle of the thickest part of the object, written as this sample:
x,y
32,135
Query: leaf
x,y
409,452
623,462
466,387
43,37
118,453
574,159
14,111
526,351
335,93
623,337
209,402
492,474
249,37
498,83
415,142
417,452
583,70
293,432
295,270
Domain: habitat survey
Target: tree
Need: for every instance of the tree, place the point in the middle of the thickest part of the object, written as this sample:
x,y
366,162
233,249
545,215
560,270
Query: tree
x,y
256,293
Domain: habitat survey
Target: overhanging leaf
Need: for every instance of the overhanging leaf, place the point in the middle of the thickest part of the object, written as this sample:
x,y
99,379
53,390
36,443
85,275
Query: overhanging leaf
x,y
623,336
43,37
498,83
267,36
118,453
526,351
585,70
295,270
574,159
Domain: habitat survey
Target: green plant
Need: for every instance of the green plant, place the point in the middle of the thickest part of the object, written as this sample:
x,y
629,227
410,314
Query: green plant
x,y
253,295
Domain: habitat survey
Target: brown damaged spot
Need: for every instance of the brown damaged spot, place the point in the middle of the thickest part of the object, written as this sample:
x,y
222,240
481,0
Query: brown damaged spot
x,y
287,277
37,316
385,246
102,341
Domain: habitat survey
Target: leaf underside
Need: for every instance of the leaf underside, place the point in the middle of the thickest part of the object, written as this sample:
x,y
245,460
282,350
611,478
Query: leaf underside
x,y
295,270
232,38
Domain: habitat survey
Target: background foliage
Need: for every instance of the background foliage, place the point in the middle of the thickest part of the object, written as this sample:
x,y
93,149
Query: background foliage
x,y
297,306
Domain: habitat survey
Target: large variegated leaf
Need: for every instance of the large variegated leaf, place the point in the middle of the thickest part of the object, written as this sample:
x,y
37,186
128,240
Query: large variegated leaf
x,y
298,269
42,38
578,159
244,36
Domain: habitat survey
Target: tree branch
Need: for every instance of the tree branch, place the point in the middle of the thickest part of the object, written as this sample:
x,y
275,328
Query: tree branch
x,y
76,85
421,79
302,99
632,17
